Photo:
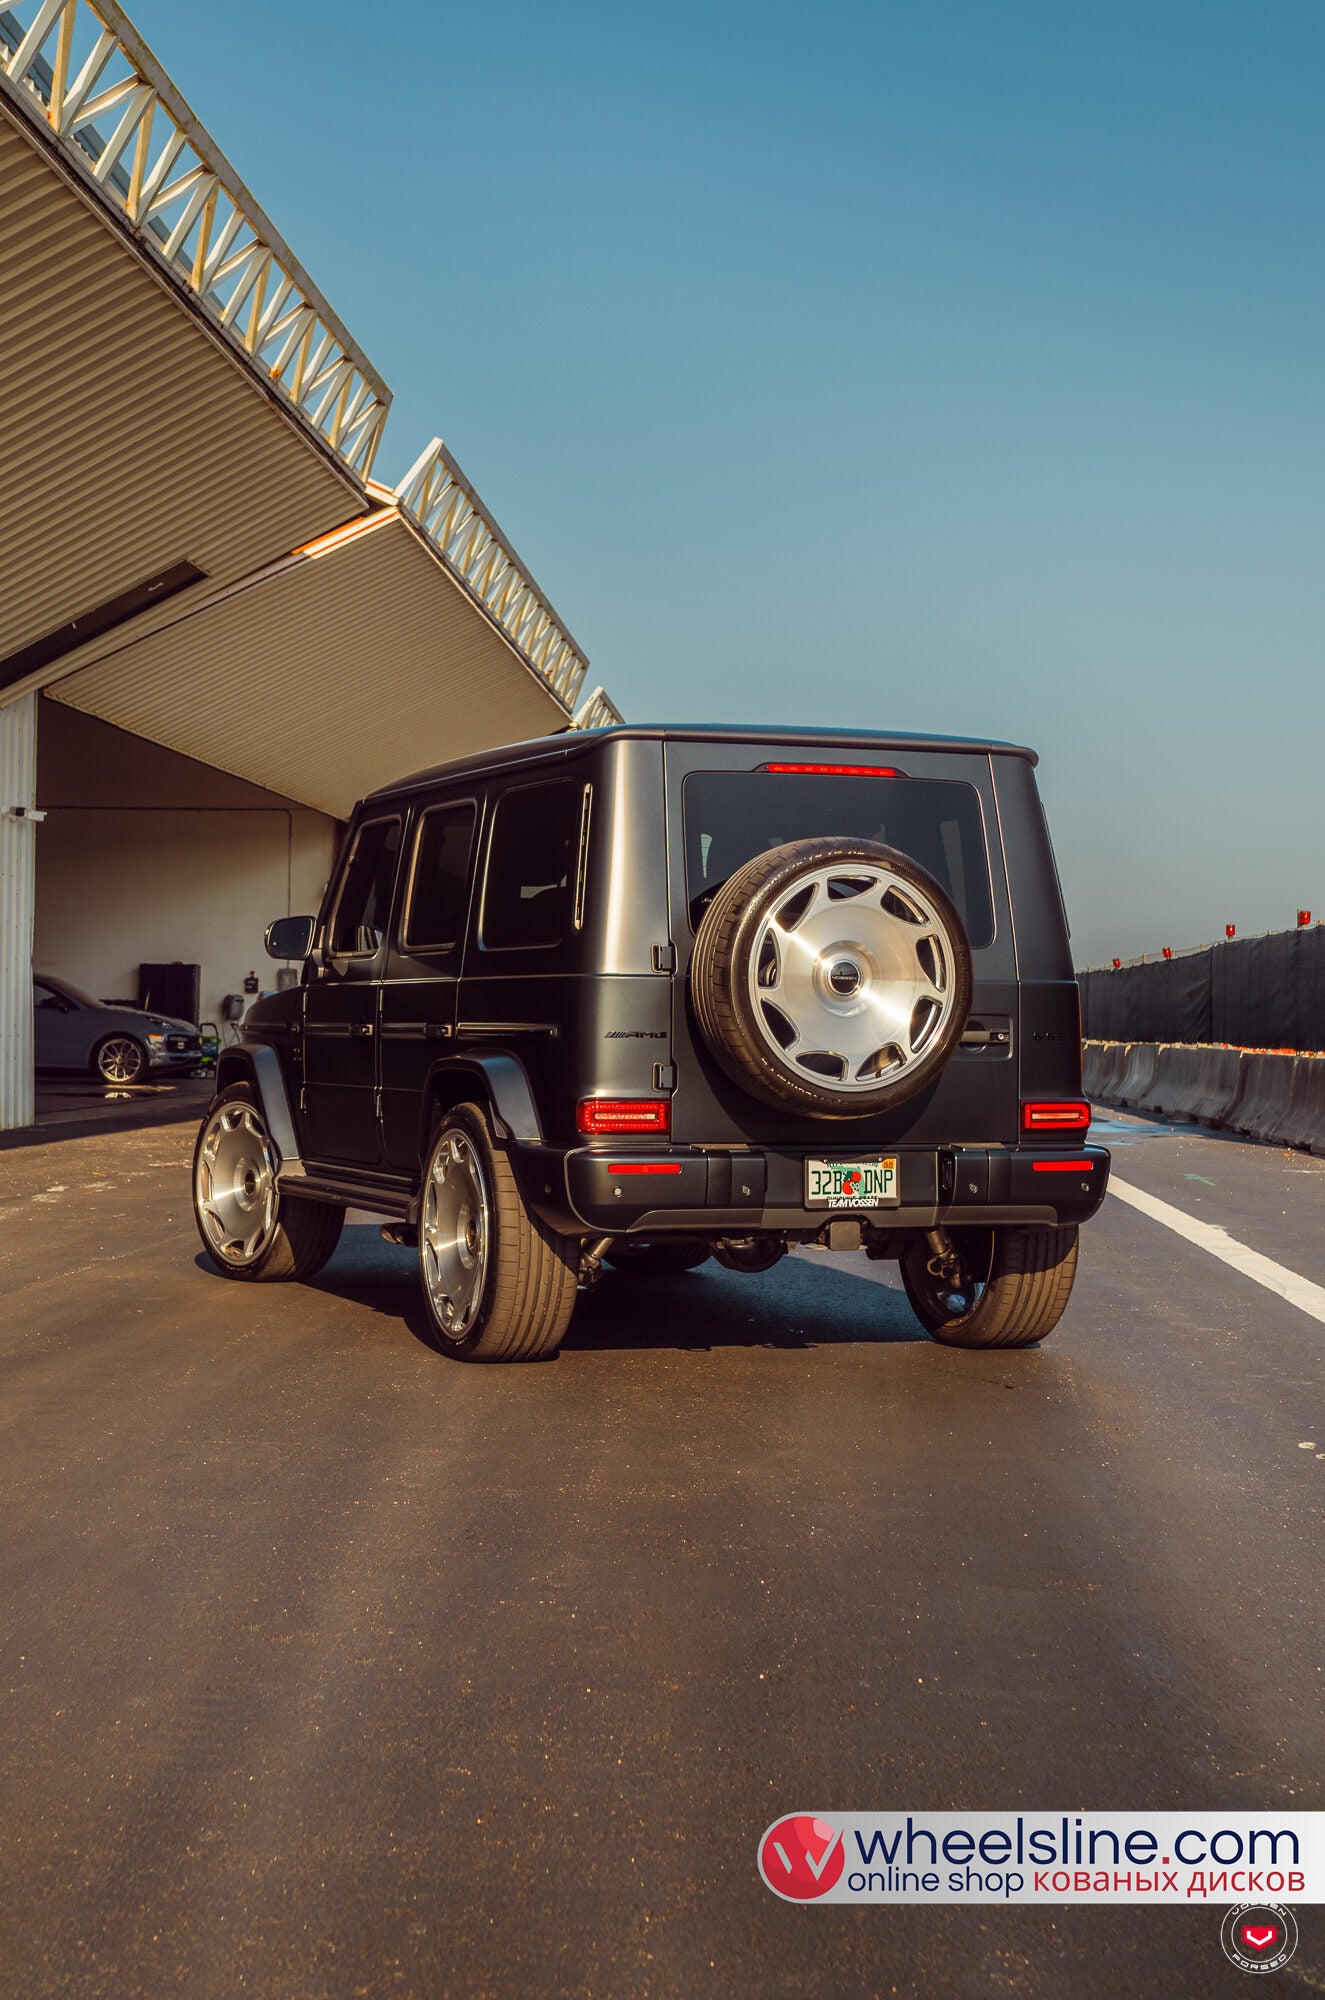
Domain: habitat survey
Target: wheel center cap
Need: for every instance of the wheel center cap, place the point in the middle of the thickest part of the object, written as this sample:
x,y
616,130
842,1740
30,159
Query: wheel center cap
x,y
844,978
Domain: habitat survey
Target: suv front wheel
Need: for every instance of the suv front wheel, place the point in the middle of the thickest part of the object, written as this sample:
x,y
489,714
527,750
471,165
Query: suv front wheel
x,y
498,1286
1010,1289
249,1228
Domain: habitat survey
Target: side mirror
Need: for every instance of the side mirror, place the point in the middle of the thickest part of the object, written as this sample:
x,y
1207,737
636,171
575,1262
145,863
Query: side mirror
x,y
290,937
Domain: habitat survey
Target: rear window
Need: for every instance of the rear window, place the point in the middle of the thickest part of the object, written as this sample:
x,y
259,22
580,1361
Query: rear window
x,y
730,816
527,897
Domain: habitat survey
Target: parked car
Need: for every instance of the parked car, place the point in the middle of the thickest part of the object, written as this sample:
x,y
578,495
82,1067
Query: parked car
x,y
644,996
118,1044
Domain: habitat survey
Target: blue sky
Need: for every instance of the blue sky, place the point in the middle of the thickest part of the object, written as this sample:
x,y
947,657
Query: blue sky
x,y
951,366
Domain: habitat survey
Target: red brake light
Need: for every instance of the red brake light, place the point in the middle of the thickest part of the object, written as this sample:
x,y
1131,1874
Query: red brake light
x,y
645,1167
601,1116
838,770
1069,1116
1063,1166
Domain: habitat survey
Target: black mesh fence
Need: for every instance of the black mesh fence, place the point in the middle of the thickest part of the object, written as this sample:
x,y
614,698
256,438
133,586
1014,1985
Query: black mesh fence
x,y
1260,993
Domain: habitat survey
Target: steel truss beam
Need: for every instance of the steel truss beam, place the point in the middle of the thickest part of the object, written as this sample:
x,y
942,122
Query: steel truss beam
x,y
596,711
82,73
436,495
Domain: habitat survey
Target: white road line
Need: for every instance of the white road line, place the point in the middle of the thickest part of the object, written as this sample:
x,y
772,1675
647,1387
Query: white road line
x,y
1207,1236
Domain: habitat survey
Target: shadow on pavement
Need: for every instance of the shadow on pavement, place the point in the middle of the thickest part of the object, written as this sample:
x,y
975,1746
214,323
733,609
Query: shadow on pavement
x,y
798,1304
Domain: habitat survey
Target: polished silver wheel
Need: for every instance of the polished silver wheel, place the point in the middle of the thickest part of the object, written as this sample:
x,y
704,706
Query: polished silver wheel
x,y
234,1187
454,1232
120,1059
852,977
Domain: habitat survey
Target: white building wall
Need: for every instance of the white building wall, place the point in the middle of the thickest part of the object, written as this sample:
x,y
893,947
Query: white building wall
x,y
147,856
18,777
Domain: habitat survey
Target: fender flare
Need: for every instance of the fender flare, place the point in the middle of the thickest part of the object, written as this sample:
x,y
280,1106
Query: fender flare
x,y
259,1065
503,1081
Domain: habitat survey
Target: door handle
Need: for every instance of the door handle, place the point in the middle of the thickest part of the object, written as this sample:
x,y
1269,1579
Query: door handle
x,y
437,1031
361,1028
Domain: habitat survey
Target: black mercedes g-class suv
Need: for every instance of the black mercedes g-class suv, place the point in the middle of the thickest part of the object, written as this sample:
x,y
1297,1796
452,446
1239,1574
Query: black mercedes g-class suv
x,y
653,995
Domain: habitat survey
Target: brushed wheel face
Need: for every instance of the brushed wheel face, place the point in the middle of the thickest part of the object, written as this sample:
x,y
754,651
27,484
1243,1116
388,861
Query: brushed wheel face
x,y
234,1187
455,1230
852,977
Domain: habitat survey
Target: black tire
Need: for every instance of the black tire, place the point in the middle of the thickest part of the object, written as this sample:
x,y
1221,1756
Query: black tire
x,y
658,1259
294,1241
1018,1283
124,1054
720,978
509,1279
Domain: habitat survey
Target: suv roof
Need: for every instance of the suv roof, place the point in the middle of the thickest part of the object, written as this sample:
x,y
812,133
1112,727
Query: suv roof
x,y
701,732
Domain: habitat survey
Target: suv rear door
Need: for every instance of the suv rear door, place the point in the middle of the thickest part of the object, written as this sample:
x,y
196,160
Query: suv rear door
x,y
951,828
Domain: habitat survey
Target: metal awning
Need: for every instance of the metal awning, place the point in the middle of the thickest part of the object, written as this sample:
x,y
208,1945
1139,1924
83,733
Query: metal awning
x,y
328,674
181,404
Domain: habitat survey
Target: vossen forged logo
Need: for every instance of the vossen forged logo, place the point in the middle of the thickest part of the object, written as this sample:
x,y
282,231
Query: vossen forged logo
x,y
1050,1857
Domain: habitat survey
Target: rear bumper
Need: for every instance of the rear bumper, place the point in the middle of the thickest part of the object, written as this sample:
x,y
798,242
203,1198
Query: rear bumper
x,y
687,1191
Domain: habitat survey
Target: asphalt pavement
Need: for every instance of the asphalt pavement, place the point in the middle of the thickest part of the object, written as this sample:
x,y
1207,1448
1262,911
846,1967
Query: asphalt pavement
x,y
332,1668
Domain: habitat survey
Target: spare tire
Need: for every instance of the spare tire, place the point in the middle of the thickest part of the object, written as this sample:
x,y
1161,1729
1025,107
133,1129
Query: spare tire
x,y
831,976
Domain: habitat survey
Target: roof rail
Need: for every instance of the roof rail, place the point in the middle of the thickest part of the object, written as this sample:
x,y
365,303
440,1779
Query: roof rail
x,y
79,70
440,500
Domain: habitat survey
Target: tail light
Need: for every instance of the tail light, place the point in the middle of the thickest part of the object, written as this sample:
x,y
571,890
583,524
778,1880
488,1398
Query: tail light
x,y
645,1167
601,1117
1063,1115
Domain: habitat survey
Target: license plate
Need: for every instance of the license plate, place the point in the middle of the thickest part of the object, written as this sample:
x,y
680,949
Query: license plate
x,y
851,1183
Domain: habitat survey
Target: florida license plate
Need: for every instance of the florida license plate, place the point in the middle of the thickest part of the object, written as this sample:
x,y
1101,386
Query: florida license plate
x,y
851,1183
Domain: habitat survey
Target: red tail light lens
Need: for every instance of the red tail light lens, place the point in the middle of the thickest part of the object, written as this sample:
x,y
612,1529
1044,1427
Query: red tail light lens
x,y
645,1167
838,770
1069,1115
1063,1166
602,1116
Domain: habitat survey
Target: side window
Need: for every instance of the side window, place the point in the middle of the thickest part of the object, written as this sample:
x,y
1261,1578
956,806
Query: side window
x,y
531,866
364,903
45,996
439,881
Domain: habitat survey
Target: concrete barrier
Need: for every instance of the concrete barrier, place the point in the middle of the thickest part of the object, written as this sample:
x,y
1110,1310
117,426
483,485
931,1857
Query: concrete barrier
x,y
1267,1088
1172,1081
1198,1082
1138,1072
1275,1096
1112,1065
1304,1124
1216,1096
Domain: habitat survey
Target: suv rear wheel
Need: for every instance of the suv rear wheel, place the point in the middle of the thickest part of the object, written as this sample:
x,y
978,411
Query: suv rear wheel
x,y
1010,1290
832,976
497,1284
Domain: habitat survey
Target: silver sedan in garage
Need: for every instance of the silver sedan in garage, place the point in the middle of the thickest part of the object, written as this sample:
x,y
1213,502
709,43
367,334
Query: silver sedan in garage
x,y
118,1044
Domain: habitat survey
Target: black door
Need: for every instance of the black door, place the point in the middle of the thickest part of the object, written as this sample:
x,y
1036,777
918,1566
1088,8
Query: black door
x,y
423,970
341,1007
